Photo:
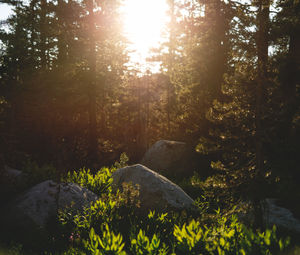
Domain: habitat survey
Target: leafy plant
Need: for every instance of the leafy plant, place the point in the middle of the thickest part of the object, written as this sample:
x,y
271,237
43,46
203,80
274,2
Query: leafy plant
x,y
144,245
99,183
115,225
226,237
190,238
108,244
122,162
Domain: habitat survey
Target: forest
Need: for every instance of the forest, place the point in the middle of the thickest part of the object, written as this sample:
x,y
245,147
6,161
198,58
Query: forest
x,y
226,82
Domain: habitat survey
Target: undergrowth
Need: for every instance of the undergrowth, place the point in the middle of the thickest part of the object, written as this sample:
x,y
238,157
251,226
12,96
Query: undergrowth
x,y
116,224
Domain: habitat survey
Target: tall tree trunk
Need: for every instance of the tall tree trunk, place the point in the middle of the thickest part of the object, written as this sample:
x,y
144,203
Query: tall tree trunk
x,y
147,123
33,32
171,55
262,62
62,43
43,37
292,71
140,132
93,137
214,14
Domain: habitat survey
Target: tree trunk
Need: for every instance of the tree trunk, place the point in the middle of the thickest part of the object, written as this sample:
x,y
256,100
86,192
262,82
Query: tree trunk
x,y
43,37
62,43
292,70
262,61
214,14
33,32
93,137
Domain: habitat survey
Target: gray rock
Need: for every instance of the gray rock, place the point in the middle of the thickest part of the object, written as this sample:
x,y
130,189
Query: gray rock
x,y
156,191
35,211
11,176
171,158
244,211
281,217
12,182
11,173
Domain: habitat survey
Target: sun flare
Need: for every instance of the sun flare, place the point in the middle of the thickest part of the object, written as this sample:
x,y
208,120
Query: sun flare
x,y
144,23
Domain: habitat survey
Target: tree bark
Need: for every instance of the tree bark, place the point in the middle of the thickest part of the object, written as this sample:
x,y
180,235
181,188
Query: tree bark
x,y
262,66
93,137
43,36
62,43
214,14
171,54
292,70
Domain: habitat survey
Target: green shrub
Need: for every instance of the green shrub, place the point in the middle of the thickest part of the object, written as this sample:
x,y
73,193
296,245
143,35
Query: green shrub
x,y
144,245
115,225
109,243
191,239
226,237
99,183
122,162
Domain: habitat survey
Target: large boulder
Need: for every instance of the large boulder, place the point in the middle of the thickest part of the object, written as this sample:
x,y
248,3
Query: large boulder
x,y
155,191
32,215
283,218
11,173
172,159
12,182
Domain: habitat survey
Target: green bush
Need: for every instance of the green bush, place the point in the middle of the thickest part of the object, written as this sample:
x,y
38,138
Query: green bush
x,y
122,162
115,225
230,237
108,244
99,183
